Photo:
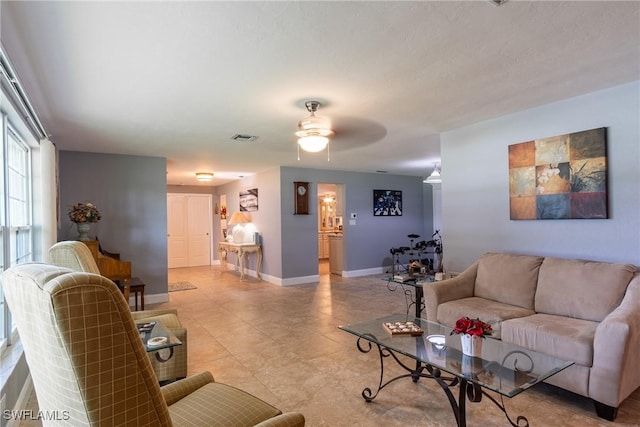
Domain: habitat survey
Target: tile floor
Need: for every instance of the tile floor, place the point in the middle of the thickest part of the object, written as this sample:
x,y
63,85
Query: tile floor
x,y
283,345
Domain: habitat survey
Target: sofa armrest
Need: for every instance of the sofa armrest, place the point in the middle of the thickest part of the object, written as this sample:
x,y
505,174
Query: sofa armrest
x,y
615,372
177,390
455,288
288,419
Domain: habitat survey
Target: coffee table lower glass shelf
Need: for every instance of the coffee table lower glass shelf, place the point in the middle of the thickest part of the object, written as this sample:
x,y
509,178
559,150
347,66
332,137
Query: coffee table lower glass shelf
x,y
504,368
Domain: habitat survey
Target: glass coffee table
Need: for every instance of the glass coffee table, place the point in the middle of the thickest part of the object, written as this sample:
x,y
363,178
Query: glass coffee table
x,y
504,368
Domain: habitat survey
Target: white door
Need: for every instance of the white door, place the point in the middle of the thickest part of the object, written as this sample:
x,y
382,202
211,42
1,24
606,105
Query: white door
x,y
199,229
189,230
178,254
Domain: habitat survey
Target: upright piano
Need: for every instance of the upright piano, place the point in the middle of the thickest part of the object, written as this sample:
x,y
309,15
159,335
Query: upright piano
x,y
111,267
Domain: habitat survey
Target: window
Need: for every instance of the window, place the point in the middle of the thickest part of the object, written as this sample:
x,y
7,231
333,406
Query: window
x,y
16,241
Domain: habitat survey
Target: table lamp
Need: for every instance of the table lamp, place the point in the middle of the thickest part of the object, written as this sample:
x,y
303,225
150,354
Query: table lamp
x,y
238,219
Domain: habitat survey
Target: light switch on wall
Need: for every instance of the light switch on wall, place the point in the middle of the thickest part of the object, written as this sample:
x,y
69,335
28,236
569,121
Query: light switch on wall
x,y
354,215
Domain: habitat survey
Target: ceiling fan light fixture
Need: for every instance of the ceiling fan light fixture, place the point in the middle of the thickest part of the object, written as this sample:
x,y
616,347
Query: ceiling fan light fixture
x,y
313,131
313,143
204,176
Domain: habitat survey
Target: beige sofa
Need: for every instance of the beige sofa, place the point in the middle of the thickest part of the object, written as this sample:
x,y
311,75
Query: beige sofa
x,y
583,311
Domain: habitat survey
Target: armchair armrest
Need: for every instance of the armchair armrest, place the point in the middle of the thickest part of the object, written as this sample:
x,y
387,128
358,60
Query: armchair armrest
x,y
137,315
455,288
288,419
615,371
177,390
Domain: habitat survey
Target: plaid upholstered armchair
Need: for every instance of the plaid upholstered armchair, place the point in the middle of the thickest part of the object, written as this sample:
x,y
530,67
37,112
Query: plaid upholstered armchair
x,y
76,256
89,365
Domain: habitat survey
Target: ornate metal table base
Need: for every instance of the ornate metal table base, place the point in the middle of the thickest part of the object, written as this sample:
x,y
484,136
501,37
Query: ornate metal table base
x,y
467,390
417,302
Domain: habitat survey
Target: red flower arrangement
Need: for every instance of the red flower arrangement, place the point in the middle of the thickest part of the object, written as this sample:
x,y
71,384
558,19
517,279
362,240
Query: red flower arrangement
x,y
466,325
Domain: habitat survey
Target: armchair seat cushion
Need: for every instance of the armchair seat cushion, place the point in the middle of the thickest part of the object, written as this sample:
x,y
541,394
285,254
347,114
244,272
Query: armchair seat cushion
x,y
222,405
492,311
562,337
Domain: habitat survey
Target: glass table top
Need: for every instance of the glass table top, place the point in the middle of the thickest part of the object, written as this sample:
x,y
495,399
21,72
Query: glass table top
x,y
505,368
156,337
417,281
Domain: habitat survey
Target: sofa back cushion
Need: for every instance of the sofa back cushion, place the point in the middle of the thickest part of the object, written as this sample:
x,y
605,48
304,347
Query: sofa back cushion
x,y
507,278
586,290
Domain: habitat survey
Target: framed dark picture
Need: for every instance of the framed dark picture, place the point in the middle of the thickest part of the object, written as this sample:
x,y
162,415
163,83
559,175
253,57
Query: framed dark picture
x,y
249,200
387,203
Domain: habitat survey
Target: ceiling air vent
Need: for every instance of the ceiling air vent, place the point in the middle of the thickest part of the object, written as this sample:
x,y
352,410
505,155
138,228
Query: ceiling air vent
x,y
243,138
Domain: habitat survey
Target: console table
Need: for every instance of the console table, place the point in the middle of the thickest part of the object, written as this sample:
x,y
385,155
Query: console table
x,y
240,249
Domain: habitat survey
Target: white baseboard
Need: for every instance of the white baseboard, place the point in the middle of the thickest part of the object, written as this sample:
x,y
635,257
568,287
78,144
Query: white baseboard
x,y
364,272
302,280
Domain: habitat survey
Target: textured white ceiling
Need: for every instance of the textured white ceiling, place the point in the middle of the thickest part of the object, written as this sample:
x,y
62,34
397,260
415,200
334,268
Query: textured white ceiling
x,y
178,79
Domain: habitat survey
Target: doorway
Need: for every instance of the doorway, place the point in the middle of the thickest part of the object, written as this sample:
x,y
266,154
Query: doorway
x,y
329,205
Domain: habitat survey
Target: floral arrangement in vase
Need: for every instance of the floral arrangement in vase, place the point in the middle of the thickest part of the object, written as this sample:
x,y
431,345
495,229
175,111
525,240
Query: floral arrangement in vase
x,y
469,326
84,212
472,331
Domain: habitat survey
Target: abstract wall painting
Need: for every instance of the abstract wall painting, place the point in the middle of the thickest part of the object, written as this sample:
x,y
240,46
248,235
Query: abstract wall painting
x,y
561,177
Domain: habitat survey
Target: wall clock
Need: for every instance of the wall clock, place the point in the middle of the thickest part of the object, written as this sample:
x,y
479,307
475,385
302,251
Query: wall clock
x,y
301,197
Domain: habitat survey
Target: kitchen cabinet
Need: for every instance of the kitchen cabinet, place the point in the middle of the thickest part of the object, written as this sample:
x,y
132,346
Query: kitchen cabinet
x,y
323,246
336,254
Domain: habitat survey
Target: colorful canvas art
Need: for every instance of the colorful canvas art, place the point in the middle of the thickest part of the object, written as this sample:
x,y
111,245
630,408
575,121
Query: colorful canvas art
x,y
561,177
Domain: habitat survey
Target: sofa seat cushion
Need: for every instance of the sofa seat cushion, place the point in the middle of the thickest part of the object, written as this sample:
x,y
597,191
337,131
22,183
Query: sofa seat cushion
x,y
220,405
563,337
508,278
586,290
490,311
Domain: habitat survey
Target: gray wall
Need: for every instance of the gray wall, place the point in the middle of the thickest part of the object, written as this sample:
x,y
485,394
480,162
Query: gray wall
x,y
368,242
475,187
131,194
